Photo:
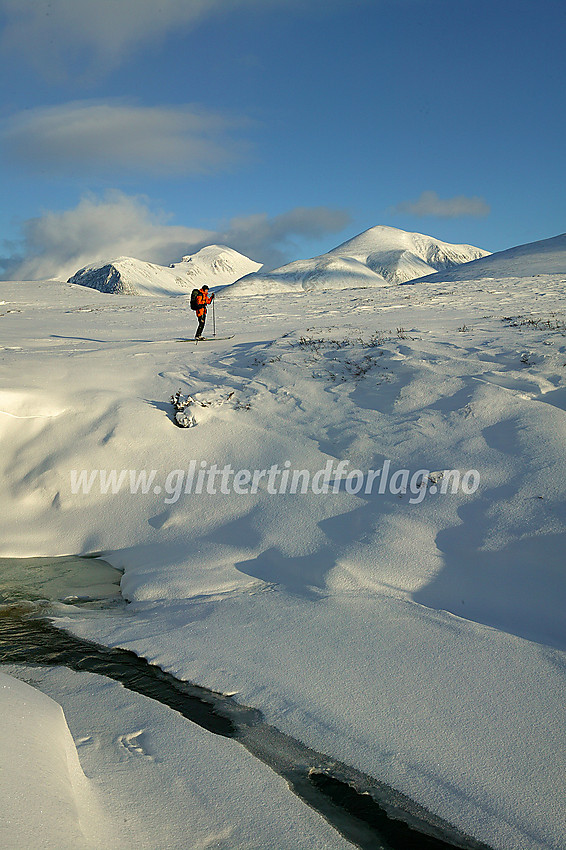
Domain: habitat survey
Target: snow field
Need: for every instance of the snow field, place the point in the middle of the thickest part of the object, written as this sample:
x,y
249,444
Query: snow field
x,y
421,643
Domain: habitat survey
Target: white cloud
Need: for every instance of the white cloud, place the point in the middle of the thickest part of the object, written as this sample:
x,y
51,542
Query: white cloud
x,y
54,34
57,244
429,204
104,32
110,136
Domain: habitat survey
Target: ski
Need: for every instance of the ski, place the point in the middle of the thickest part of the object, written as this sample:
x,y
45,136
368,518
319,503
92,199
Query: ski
x,y
208,338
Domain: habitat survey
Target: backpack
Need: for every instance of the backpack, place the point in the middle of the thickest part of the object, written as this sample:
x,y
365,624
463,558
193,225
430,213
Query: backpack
x,y
194,295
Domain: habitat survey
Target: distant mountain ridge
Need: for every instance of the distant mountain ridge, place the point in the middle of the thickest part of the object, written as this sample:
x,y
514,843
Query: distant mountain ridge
x,y
380,256
215,265
547,256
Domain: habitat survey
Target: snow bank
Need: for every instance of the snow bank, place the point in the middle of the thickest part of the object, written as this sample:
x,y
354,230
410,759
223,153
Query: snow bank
x,y
163,781
45,798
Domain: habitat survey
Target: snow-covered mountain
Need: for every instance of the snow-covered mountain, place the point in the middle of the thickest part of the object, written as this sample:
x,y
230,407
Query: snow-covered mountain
x,y
399,256
378,257
215,265
548,256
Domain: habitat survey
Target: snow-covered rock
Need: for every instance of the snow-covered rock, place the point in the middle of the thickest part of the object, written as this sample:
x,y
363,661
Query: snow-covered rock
x,y
215,265
547,256
378,257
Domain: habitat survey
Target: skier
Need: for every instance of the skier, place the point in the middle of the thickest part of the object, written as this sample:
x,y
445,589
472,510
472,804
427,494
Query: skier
x,y
202,300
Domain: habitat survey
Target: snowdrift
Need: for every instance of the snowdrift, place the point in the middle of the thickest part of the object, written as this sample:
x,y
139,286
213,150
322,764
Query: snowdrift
x,y
46,798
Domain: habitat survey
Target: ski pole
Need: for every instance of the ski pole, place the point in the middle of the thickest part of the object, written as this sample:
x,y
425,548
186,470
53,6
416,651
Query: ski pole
x,y
213,319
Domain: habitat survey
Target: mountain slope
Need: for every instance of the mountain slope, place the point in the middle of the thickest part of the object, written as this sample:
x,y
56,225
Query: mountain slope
x,y
548,256
215,265
378,257
324,272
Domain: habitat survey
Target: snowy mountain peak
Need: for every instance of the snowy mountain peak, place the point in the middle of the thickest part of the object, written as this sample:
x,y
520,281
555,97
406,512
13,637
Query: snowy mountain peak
x,y
400,256
224,263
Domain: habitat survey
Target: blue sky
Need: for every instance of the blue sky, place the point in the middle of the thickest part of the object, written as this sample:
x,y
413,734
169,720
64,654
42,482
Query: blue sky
x,y
280,127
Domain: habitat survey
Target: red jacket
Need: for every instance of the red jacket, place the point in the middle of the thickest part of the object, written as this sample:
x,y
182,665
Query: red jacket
x,y
202,300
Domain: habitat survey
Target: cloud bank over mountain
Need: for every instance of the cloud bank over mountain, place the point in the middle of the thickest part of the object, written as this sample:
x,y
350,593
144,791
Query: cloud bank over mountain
x,y
56,244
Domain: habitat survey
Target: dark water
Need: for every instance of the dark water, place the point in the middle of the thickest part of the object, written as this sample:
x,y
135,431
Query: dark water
x,y
86,580
368,813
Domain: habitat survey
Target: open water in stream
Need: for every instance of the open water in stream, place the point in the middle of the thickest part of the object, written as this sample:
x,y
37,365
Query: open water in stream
x,y
368,813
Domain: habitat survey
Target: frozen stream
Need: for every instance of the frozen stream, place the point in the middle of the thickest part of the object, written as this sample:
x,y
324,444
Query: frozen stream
x,y
366,812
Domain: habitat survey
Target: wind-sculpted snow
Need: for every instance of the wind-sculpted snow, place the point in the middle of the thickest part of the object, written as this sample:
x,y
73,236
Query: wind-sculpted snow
x,y
420,640
155,779
45,796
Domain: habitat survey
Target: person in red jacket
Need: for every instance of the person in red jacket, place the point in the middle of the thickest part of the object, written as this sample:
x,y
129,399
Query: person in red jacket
x,y
203,300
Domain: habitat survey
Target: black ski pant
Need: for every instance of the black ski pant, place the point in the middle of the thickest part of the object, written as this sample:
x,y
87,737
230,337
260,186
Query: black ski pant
x,y
201,321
